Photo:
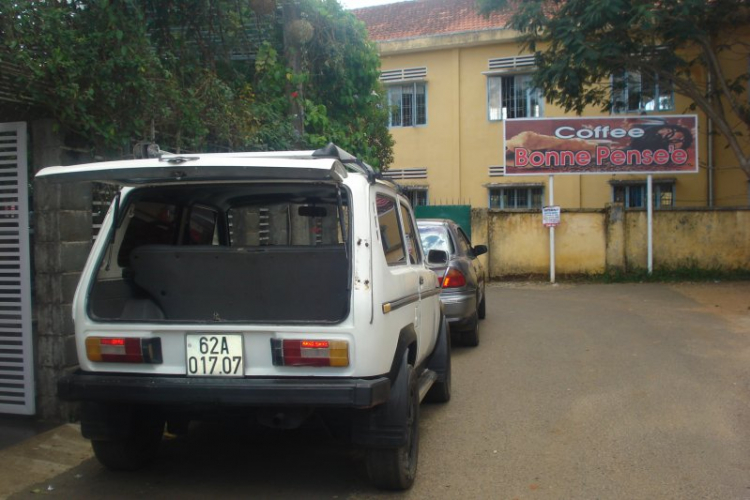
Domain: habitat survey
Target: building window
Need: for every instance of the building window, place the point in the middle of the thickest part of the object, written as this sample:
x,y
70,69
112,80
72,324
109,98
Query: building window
x,y
633,195
408,104
512,96
516,197
636,92
417,195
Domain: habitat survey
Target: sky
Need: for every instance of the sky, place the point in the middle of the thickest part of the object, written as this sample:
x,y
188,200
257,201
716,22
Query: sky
x,y
356,4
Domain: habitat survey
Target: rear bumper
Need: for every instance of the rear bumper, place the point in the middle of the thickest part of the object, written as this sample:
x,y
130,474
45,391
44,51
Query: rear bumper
x,y
459,307
135,389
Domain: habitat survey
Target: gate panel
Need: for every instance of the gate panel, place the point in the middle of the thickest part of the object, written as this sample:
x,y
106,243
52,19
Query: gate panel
x,y
16,356
460,214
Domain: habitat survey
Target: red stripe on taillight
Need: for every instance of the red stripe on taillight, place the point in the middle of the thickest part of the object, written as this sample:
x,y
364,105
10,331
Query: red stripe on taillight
x,y
123,350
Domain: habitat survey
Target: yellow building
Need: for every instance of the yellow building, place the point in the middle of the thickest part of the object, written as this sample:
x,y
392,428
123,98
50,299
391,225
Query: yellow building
x,y
452,78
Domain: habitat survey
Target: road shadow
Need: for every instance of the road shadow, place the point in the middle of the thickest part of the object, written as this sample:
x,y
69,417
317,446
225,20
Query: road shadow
x,y
218,460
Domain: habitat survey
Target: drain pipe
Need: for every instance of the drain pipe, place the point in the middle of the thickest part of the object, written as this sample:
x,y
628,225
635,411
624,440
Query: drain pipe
x,y
710,148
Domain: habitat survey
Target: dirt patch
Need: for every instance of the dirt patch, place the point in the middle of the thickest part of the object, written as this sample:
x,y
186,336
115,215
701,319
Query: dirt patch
x,y
724,297
729,299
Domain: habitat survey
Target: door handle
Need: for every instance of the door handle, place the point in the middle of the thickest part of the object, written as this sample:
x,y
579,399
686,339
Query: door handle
x,y
421,280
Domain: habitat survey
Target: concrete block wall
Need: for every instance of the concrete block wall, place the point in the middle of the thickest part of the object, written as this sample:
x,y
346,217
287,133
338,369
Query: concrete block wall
x,y
595,241
62,240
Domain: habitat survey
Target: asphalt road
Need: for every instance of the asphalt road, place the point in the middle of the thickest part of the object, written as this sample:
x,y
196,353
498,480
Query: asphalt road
x,y
575,392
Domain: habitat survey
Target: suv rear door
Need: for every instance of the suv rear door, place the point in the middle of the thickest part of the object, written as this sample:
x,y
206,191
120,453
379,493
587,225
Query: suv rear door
x,y
425,322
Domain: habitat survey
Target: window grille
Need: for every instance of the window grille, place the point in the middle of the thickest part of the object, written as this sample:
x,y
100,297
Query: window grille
x,y
405,173
511,63
516,196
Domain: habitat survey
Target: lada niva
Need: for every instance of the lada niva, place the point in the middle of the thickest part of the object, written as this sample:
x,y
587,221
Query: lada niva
x,y
272,286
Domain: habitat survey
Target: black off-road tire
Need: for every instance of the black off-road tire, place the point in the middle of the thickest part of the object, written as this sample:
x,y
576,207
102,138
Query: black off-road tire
x,y
396,468
135,451
470,337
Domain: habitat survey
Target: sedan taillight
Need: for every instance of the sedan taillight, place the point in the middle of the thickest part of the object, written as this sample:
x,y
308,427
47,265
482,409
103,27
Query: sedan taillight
x,y
454,279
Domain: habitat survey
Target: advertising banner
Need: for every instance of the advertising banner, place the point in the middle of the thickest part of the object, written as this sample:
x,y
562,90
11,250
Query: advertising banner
x,y
601,145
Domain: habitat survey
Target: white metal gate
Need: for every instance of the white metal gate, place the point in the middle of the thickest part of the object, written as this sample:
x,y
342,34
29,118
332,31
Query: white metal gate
x,y
16,357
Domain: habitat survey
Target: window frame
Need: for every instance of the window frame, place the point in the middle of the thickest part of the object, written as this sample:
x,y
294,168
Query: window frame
x,y
410,233
500,114
530,196
416,194
464,243
636,78
384,241
415,104
659,190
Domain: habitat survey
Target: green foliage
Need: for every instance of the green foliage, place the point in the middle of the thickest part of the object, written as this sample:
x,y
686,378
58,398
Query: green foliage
x,y
75,60
671,275
343,99
206,75
579,44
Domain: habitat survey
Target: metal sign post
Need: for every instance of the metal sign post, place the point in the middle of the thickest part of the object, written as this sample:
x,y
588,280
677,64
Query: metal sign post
x,y
650,223
551,219
552,232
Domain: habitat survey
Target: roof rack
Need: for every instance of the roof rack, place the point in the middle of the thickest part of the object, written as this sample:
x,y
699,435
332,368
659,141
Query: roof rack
x,y
349,160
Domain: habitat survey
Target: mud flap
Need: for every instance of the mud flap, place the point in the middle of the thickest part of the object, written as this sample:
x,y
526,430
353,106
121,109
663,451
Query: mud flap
x,y
386,425
440,357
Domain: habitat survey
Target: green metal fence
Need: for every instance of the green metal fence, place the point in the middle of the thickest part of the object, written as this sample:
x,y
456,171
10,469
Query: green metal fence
x,y
460,214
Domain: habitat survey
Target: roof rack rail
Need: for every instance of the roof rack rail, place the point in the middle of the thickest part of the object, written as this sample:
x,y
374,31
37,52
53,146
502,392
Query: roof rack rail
x,y
333,151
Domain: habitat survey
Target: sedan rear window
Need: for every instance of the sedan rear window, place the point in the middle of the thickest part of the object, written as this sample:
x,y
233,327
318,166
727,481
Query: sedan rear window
x,y
436,238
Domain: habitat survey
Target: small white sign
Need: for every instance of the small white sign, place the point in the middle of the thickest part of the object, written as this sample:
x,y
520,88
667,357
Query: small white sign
x,y
551,216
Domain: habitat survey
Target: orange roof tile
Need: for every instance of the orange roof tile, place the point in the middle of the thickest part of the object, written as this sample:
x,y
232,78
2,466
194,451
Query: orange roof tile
x,y
418,18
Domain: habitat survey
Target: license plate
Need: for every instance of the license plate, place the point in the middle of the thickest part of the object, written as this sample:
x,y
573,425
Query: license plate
x,y
214,355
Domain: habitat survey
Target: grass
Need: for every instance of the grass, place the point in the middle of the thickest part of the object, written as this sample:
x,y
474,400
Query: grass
x,y
639,275
671,275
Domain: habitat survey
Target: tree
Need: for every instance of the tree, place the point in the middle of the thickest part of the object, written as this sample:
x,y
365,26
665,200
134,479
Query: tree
x,y
580,44
199,75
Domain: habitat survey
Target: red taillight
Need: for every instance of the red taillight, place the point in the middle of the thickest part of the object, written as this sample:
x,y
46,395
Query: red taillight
x,y
291,352
454,279
123,350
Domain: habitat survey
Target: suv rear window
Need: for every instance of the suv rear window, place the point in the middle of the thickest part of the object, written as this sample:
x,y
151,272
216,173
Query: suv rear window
x,y
229,252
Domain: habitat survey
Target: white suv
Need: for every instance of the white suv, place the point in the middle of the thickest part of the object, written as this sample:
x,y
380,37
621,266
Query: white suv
x,y
273,285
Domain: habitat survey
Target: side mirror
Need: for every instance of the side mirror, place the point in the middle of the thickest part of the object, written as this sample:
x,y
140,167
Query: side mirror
x,y
437,257
479,250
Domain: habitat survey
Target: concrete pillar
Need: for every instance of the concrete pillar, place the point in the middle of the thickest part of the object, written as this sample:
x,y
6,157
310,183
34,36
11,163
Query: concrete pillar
x,y
616,259
62,240
480,235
